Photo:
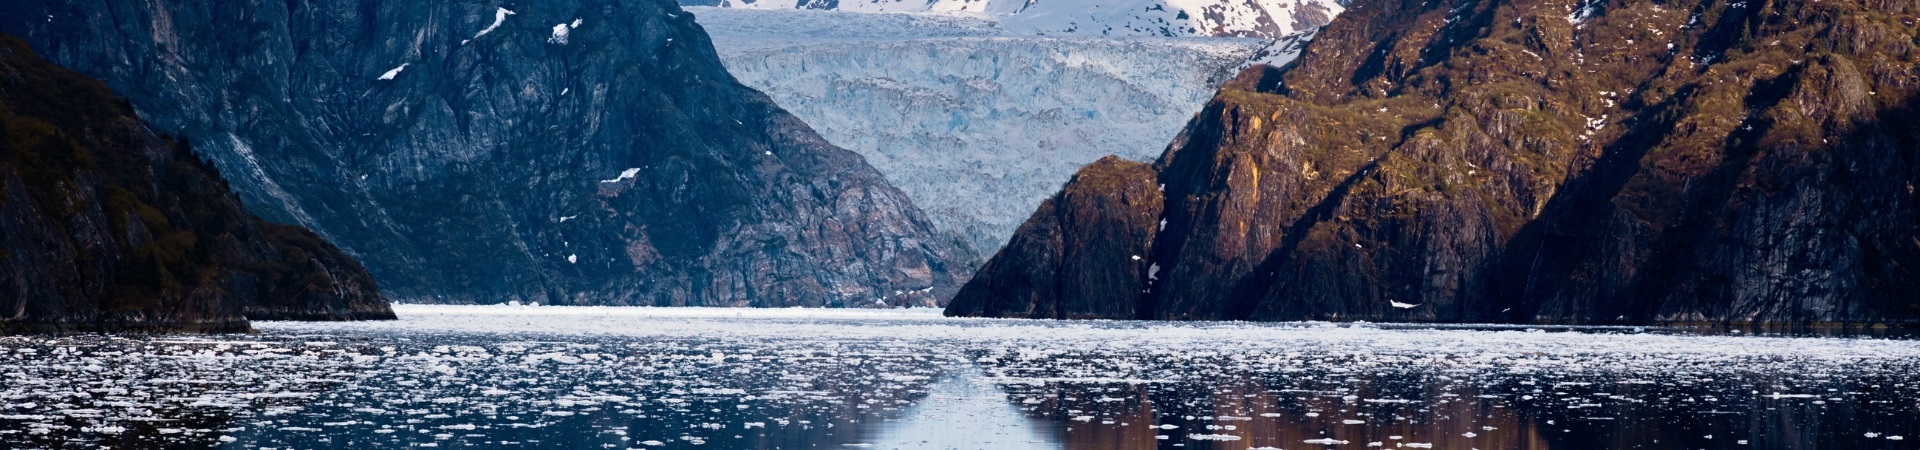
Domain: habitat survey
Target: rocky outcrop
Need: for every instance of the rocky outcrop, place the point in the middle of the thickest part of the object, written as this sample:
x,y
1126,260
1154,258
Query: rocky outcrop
x,y
106,227
560,152
1087,248
1546,161
317,282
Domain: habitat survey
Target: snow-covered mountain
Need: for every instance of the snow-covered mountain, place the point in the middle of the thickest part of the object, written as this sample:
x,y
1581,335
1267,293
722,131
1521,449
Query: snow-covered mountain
x,y
1165,18
977,124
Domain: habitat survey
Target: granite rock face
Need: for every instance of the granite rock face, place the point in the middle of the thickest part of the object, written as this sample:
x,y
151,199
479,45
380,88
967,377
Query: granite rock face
x,y
562,152
105,226
1540,161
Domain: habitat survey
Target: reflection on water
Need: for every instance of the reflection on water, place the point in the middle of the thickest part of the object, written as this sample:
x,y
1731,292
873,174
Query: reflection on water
x,y
964,411
558,378
1431,411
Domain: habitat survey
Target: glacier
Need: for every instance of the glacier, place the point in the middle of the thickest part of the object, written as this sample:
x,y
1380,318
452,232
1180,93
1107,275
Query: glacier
x,y
976,121
1166,18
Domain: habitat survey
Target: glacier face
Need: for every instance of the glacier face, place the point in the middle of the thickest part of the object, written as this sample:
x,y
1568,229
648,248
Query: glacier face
x,y
976,123
1165,18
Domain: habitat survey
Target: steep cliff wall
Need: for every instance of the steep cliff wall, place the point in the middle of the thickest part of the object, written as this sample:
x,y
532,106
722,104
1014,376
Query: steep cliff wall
x,y
575,152
1547,161
106,227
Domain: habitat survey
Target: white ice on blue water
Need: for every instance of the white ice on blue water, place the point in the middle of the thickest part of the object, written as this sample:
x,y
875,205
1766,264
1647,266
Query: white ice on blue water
x,y
965,411
468,376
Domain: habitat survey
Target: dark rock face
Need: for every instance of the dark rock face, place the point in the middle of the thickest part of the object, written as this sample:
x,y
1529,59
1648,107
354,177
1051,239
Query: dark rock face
x,y
1081,256
319,283
1506,161
569,152
106,227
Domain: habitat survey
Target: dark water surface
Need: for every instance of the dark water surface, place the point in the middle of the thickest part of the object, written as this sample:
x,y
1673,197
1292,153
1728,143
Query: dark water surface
x,y
593,378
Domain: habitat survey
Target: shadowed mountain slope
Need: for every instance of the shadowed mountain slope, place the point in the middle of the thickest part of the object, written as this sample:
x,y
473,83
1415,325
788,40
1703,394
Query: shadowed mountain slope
x,y
561,152
106,227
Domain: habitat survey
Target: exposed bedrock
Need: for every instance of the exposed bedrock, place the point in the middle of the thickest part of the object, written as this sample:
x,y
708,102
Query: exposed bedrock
x,y
107,227
484,151
1533,161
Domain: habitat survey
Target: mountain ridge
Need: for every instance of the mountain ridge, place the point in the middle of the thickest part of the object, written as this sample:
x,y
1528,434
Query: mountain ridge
x,y
571,152
1529,161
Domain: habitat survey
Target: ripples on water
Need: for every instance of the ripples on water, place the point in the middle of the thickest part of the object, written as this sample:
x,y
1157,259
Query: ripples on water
x,y
591,378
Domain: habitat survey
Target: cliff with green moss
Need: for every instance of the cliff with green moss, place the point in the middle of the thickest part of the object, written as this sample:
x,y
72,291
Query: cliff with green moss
x,y
1533,161
105,226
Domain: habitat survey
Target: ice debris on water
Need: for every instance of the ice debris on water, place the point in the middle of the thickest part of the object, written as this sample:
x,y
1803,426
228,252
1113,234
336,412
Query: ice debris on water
x,y
475,376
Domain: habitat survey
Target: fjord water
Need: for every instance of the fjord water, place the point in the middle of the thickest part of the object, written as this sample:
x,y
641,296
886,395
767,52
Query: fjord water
x,y
546,377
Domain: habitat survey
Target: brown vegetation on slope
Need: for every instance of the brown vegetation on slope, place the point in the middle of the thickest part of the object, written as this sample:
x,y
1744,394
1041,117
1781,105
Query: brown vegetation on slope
x,y
1553,161
107,227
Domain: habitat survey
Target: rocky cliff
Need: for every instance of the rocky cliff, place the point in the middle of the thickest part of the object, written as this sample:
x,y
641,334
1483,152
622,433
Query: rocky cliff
x,y
1530,161
105,226
571,152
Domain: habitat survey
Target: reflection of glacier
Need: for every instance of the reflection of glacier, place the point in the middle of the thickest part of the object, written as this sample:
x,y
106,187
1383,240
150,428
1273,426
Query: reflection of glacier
x,y
976,126
965,411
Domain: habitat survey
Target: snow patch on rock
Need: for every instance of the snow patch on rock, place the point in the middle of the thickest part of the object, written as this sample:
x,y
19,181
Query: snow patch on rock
x,y
499,18
394,73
